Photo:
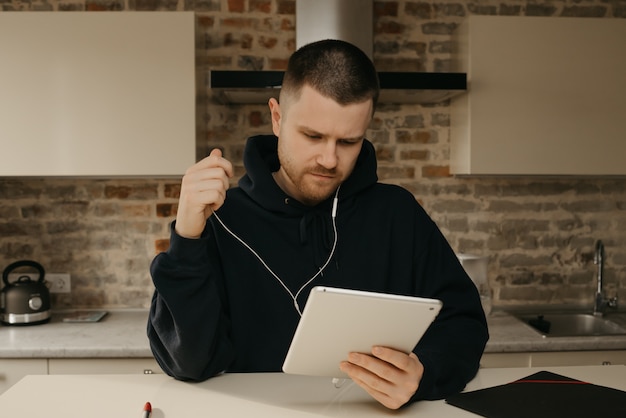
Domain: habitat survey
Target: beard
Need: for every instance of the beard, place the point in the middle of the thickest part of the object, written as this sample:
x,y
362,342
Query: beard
x,y
309,185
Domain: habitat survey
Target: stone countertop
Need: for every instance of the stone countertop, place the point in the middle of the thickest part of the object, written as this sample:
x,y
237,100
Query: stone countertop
x,y
122,334
509,334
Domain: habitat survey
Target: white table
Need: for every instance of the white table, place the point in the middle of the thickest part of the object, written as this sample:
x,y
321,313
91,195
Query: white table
x,y
241,395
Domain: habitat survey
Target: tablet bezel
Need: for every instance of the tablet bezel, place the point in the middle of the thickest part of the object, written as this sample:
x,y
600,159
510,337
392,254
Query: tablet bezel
x,y
337,321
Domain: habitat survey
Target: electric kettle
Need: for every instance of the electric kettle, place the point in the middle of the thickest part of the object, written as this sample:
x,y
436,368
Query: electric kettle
x,y
24,301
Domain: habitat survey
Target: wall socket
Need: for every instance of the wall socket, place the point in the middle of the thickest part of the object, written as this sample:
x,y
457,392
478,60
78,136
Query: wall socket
x,y
57,282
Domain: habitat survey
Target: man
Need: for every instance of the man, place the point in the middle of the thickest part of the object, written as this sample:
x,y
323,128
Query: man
x,y
242,261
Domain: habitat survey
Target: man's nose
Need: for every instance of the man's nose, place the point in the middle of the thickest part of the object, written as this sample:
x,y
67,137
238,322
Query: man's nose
x,y
328,156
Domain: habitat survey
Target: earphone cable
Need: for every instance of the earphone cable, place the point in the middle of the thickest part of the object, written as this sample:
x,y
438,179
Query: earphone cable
x,y
330,256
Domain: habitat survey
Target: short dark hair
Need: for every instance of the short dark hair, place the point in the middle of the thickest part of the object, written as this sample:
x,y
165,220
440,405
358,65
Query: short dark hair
x,y
336,69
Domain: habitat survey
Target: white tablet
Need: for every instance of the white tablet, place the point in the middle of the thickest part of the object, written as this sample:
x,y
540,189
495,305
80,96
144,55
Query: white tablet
x,y
336,322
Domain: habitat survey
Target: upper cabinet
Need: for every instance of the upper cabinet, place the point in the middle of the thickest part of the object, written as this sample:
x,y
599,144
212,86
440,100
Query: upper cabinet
x,y
546,96
97,93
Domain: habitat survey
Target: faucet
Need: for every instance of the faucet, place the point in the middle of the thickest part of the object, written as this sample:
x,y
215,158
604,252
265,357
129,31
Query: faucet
x,y
601,303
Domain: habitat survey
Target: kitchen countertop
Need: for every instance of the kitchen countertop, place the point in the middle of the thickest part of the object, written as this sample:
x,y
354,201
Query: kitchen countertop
x,y
508,334
122,334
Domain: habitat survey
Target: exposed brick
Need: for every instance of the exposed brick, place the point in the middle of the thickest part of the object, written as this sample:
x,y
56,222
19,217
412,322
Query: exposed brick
x,y
440,119
267,42
248,62
399,64
278,63
171,191
100,6
13,229
421,10
236,6
596,205
161,245
238,22
149,5
441,47
287,25
482,9
453,9
387,47
509,10
378,137
246,41
521,294
436,171
544,9
136,210
443,65
389,28
454,206
414,155
384,153
103,229
165,210
207,22
256,118
584,11
203,5
106,209
286,7
130,192
414,137
438,28
395,172
387,8
219,61
417,47
263,6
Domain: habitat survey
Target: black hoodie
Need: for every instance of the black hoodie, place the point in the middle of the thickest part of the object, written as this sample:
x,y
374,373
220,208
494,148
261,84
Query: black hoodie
x,y
217,308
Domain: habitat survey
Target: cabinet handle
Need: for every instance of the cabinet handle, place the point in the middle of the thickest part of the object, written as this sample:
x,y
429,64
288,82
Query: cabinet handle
x,y
148,371
606,363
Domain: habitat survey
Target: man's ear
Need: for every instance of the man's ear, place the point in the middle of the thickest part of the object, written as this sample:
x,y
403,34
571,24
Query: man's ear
x,y
275,114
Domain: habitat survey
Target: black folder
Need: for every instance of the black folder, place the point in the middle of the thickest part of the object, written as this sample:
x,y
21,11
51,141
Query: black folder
x,y
543,395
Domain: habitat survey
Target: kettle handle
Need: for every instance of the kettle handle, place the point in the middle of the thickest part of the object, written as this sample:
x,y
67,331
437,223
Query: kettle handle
x,y
23,263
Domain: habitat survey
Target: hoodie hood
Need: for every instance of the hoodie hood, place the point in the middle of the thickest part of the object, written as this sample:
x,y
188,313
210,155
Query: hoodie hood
x,y
261,160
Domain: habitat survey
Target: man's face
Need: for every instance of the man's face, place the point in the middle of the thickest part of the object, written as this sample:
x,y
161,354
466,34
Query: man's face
x,y
319,141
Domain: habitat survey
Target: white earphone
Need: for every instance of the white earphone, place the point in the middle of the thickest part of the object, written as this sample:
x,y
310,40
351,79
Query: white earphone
x,y
330,256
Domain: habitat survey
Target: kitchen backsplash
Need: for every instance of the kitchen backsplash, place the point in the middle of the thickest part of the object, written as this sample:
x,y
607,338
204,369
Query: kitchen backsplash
x,y
539,233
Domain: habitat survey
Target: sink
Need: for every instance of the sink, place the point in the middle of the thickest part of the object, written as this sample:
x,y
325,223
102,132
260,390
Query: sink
x,y
571,324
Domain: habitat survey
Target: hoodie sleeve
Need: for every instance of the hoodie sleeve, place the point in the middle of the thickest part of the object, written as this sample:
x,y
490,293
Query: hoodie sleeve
x,y
187,326
453,345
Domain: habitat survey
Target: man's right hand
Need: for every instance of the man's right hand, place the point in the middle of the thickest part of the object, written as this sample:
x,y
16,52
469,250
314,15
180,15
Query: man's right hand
x,y
203,190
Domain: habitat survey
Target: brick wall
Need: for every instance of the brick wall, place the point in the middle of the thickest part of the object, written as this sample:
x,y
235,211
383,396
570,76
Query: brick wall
x,y
538,233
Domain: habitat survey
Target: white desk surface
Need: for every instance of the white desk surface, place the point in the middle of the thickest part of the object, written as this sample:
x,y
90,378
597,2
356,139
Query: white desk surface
x,y
241,395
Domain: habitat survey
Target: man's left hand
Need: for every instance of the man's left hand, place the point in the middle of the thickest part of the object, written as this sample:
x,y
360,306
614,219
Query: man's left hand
x,y
389,376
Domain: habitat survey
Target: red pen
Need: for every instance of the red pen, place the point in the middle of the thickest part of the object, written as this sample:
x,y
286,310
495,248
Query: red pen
x,y
147,410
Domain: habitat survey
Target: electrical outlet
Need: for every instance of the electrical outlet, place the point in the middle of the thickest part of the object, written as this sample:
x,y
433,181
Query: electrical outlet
x,y
57,282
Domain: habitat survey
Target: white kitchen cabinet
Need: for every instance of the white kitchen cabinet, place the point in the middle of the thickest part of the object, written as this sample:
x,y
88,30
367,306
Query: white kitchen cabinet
x,y
97,93
546,96
14,369
103,366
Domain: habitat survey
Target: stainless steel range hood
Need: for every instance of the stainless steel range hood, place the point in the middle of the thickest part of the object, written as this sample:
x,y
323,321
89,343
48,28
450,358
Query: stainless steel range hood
x,y
349,20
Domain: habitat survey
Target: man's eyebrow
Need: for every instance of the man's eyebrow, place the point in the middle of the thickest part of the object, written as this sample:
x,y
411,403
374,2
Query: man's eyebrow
x,y
309,130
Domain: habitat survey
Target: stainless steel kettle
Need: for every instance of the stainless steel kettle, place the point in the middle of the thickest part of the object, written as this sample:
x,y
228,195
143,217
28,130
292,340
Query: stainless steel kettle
x,y
24,301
